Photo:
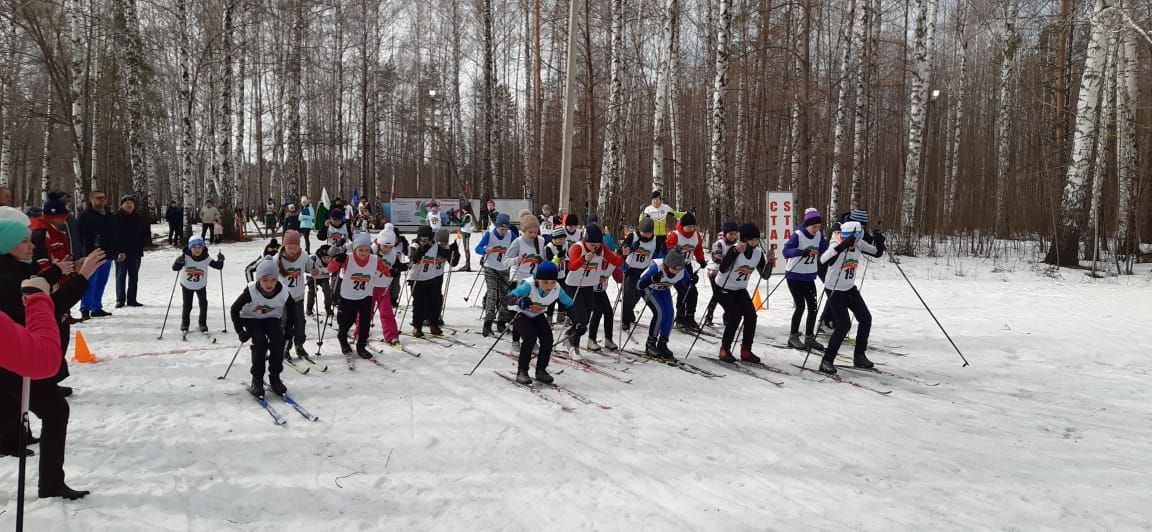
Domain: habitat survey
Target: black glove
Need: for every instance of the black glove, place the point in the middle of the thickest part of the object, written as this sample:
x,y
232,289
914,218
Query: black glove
x,y
243,334
181,261
341,258
657,277
219,257
523,303
694,279
847,243
702,264
878,238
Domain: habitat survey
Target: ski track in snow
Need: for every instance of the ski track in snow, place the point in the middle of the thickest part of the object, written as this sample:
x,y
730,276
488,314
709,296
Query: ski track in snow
x,y
1047,429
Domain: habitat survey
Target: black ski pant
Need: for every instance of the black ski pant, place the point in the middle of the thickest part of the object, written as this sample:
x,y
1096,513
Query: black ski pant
x,y
295,324
686,301
208,228
803,296
631,296
582,303
267,341
306,236
427,301
537,329
738,307
46,401
350,311
601,309
326,288
714,300
186,311
175,233
839,304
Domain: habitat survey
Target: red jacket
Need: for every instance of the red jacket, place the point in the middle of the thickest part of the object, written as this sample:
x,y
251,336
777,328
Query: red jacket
x,y
32,351
673,239
55,242
576,256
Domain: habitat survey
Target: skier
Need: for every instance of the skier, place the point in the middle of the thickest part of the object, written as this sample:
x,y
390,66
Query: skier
x,y
195,261
803,250
293,264
640,248
386,252
531,298
270,250
357,275
843,296
729,235
739,261
691,243
572,233
401,247
654,283
318,276
256,316
601,304
556,252
524,256
428,261
492,248
547,219
335,230
467,227
585,261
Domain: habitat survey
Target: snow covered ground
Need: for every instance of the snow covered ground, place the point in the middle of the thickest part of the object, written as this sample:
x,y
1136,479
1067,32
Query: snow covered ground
x,y
1049,427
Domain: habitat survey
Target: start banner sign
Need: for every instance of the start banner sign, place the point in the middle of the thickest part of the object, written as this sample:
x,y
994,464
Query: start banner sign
x,y
780,223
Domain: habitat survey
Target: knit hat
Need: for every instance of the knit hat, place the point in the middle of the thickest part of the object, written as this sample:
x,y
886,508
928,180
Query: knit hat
x,y
389,228
433,203
729,226
571,220
812,217
386,238
593,234
546,207
291,236
547,271
291,207
361,240
442,236
647,225
593,219
267,268
55,205
529,222
688,219
748,232
322,251
558,232
675,259
195,241
15,215
126,198
523,213
336,213
424,231
503,220
655,194
858,215
33,212
849,229
12,233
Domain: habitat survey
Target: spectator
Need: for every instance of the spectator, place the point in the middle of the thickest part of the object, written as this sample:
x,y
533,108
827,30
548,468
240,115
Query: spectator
x,y
93,230
129,235
72,225
209,217
270,216
33,351
175,217
307,222
49,232
291,218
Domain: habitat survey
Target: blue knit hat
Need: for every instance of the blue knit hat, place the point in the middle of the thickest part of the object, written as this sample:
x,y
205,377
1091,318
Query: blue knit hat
x,y
547,271
503,220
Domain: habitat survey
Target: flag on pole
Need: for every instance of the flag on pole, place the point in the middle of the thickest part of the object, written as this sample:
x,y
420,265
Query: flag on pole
x,y
322,208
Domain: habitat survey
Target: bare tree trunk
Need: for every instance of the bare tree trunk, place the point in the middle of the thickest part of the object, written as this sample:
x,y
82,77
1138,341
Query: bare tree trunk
x,y
186,102
1127,151
718,188
842,107
489,99
76,17
8,103
1100,172
44,159
862,38
676,134
917,115
610,169
661,104
296,169
224,122
238,182
957,119
1004,118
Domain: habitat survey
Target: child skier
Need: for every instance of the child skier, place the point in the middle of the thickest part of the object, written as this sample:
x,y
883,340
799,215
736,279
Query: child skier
x,y
524,256
531,299
729,235
654,284
427,276
557,253
492,248
335,230
388,255
736,268
401,246
640,248
357,275
195,261
601,304
691,243
842,261
572,233
318,276
803,251
586,261
293,265
256,316
270,251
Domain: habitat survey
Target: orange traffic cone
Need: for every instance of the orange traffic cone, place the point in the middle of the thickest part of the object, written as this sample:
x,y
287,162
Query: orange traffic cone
x,y
757,303
83,355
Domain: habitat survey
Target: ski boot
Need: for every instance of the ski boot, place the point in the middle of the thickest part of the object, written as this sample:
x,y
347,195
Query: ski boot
x,y
257,387
795,342
827,365
662,345
344,347
746,355
362,351
501,326
417,332
592,346
523,378
516,346
861,361
487,331
651,348
543,376
277,385
435,330
610,345
204,328
301,352
726,356
811,342
574,354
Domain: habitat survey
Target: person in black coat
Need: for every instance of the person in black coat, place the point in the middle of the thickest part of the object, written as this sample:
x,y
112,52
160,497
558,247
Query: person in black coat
x,y
94,223
46,399
175,217
129,234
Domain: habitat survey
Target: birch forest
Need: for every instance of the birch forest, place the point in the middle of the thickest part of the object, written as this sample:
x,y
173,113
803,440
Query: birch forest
x,y
991,120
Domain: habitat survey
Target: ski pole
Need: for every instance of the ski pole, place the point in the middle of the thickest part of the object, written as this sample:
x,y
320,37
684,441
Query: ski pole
x,y
498,338
25,429
930,313
829,293
171,295
636,324
234,355
444,299
700,329
474,280
762,279
408,305
223,302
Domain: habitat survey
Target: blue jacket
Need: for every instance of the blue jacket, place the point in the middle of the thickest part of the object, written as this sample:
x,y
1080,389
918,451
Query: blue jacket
x,y
792,250
482,247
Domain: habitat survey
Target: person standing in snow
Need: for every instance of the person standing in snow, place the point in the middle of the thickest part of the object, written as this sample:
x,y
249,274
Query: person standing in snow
x,y
174,215
93,229
256,315
193,264
524,256
318,276
209,216
428,260
129,234
270,216
307,223
663,217
531,299
291,221
740,261
803,252
489,213
729,235
640,249
492,247
293,262
587,260
843,296
654,284
690,242
547,219
335,231
433,218
557,253
467,227
358,273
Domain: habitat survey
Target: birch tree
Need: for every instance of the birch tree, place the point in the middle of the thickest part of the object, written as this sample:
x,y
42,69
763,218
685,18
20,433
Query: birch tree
x,y
131,51
610,169
660,108
10,74
917,115
952,177
1003,116
842,107
718,188
76,18
1127,151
